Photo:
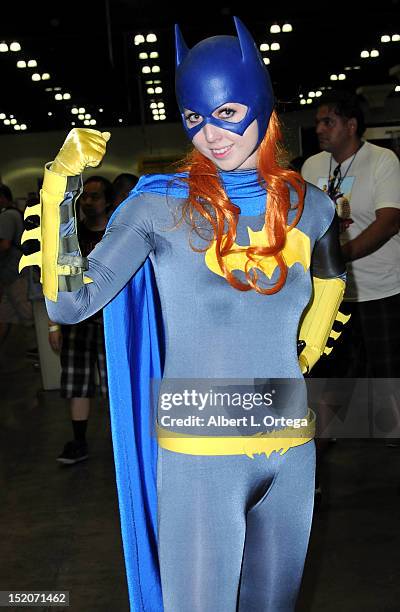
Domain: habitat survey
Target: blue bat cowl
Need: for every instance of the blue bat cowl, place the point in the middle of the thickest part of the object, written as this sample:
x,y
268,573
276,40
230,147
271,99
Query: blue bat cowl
x,y
219,70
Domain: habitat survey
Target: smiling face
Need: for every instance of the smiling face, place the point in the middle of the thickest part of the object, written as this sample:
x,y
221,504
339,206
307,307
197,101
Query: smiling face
x,y
228,150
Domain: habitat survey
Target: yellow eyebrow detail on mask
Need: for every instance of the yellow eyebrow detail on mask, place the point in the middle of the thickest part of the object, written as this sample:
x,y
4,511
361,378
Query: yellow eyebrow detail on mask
x,y
297,250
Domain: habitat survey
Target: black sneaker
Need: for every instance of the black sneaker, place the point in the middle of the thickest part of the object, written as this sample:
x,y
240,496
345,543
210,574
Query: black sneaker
x,y
73,452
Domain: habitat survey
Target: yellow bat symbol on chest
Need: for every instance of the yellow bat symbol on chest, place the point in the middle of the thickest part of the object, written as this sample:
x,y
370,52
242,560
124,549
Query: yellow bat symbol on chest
x,y
297,250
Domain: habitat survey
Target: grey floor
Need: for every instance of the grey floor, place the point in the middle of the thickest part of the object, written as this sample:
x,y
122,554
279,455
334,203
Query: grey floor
x,y
59,526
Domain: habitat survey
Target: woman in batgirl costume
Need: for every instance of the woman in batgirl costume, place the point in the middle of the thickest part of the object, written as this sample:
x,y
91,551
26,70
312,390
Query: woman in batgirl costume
x,y
209,278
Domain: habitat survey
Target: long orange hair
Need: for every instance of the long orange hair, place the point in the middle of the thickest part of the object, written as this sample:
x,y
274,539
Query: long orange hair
x,y
207,197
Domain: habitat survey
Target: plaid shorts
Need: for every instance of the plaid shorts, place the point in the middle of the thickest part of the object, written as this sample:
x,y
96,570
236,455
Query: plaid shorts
x,y
369,345
81,353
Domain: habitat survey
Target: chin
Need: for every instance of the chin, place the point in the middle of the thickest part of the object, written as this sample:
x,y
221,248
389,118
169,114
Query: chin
x,y
228,165
324,146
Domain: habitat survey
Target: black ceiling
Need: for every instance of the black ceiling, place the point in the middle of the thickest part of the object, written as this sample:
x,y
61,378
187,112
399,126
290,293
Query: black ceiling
x,y
87,48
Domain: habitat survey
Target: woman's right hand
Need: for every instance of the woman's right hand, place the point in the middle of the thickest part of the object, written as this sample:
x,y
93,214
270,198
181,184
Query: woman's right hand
x,y
81,149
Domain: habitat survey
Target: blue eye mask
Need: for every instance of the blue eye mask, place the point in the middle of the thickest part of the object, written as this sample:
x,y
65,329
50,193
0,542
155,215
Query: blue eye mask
x,y
219,70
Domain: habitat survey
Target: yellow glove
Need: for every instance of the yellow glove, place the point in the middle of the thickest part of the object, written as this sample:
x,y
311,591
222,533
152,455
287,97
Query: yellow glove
x,y
81,148
318,319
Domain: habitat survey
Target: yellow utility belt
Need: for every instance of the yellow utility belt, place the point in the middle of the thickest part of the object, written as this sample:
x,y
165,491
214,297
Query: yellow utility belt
x,y
279,441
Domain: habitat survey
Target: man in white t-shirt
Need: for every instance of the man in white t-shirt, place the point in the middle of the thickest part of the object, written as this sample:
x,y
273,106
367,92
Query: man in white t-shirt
x,y
364,182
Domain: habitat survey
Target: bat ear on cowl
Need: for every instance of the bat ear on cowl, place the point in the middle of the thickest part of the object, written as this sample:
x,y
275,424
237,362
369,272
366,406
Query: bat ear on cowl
x,y
181,48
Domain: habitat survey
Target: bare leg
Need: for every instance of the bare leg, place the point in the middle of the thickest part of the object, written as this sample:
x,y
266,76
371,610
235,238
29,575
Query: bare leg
x,y
80,407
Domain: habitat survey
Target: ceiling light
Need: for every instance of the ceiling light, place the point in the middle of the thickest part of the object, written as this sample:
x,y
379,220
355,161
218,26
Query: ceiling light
x,y
100,110
161,105
287,27
385,38
275,28
120,120
156,118
311,94
157,82
153,105
341,76
149,82
58,96
146,69
153,55
302,101
318,93
3,47
50,114
45,76
23,126
13,121
143,55
21,64
155,111
32,64
397,88
155,69
151,38
266,60
275,46
15,46
81,117
301,96
57,88
364,53
17,127
374,53
93,122
309,100
264,47
138,39
3,116
86,122
81,110
72,122
35,76
395,37
158,90
6,122
49,89
88,116
150,90
74,110
162,117
333,77
66,96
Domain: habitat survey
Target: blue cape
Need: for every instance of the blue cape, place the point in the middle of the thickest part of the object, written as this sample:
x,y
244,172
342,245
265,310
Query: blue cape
x,y
134,346
133,359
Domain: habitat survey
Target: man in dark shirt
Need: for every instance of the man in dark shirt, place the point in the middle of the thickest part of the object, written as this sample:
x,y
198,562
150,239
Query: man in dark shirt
x,y
81,346
122,186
